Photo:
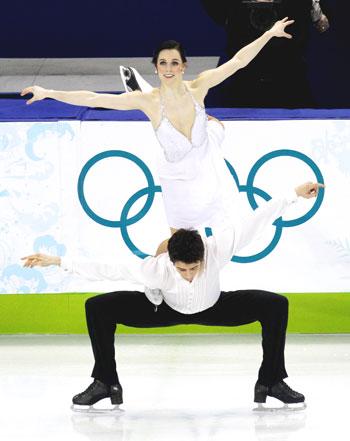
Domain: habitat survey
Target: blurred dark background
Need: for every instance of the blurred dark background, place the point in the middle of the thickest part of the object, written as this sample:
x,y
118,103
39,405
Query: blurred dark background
x,y
312,70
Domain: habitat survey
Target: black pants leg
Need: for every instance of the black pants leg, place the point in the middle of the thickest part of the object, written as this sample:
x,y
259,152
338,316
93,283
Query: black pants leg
x,y
242,307
236,308
131,308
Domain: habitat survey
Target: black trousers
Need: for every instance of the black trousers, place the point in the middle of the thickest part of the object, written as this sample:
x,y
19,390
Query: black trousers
x,y
132,308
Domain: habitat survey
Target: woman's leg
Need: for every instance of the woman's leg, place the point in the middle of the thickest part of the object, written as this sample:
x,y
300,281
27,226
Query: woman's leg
x,y
212,118
163,247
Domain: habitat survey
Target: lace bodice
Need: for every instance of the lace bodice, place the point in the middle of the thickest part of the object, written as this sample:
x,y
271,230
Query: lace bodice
x,y
175,144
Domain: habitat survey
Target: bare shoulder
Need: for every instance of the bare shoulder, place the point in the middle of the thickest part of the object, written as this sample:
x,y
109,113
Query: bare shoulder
x,y
153,95
196,90
152,106
153,98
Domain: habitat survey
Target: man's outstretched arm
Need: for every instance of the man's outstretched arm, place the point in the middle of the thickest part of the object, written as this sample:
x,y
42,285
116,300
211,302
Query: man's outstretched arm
x,y
40,259
147,271
232,239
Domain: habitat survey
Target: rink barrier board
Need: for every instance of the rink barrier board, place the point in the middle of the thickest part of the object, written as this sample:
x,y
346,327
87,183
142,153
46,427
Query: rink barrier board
x,y
315,313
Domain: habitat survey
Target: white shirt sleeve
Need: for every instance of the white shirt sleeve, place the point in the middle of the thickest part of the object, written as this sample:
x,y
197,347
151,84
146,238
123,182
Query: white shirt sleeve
x,y
231,239
149,271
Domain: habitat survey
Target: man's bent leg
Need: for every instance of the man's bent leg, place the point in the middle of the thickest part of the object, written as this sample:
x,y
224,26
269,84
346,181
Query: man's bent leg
x,y
105,311
274,320
243,307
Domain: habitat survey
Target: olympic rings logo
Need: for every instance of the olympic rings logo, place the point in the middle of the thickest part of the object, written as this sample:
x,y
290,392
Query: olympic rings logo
x,y
249,188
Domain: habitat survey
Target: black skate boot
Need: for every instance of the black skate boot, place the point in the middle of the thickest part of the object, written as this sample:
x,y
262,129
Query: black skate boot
x,y
95,392
281,391
132,80
129,79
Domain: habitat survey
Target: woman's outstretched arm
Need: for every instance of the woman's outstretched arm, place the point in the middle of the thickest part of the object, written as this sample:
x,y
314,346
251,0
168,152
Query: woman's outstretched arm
x,y
244,56
124,101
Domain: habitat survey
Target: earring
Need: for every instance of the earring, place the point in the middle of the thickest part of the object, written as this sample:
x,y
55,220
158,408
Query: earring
x,y
155,71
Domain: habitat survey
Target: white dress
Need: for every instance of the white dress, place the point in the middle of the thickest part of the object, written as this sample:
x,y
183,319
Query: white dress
x,y
192,173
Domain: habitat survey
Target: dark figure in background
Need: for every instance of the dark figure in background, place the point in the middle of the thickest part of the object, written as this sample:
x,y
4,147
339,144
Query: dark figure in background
x,y
278,76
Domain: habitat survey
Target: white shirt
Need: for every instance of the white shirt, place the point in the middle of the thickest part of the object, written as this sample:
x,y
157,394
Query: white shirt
x,y
160,276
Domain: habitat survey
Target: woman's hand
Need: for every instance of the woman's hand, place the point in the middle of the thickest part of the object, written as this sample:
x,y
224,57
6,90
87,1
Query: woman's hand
x,y
39,259
39,93
278,28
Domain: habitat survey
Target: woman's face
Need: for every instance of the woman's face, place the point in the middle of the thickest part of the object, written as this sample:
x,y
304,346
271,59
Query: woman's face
x,y
170,66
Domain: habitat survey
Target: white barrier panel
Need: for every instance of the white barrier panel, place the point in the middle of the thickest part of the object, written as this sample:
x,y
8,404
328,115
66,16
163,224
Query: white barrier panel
x,y
41,212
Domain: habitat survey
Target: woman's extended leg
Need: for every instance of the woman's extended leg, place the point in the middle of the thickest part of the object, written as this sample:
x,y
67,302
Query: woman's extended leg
x,y
163,246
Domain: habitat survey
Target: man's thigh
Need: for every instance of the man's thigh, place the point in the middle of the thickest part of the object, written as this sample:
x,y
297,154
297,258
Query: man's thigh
x,y
132,308
236,308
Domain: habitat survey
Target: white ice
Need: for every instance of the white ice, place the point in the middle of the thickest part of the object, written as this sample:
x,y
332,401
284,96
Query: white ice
x,y
176,387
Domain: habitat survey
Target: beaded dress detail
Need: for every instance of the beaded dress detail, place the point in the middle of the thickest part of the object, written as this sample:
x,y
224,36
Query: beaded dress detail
x,y
188,172
174,143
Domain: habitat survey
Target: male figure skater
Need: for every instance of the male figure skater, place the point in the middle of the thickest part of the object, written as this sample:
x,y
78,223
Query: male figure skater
x,y
185,289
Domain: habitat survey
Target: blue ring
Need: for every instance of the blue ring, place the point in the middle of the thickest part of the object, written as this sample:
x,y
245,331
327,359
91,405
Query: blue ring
x,y
285,152
150,191
276,237
124,217
120,154
279,223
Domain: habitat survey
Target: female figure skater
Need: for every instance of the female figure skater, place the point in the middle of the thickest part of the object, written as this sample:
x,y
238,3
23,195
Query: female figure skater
x,y
190,173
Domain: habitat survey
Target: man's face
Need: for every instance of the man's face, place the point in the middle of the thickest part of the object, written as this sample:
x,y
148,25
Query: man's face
x,y
188,271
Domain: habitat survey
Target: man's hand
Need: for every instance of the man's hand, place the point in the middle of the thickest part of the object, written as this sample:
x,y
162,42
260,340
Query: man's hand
x,y
39,259
39,93
277,29
308,190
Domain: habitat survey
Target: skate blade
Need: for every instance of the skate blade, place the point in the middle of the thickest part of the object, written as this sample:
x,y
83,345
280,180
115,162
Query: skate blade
x,y
297,407
91,410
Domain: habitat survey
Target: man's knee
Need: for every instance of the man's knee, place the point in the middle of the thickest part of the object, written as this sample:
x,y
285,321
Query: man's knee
x,y
274,302
279,303
89,304
283,301
92,303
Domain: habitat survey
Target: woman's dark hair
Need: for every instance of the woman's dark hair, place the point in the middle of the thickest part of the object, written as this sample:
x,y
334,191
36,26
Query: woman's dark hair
x,y
186,246
169,44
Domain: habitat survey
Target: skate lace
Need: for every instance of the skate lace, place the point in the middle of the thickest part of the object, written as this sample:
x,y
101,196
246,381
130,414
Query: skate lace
x,y
89,389
288,389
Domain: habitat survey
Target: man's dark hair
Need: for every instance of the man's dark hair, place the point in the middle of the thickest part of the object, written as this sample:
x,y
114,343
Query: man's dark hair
x,y
169,44
186,246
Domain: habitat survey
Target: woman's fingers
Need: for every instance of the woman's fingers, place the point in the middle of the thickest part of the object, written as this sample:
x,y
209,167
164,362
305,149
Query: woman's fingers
x,y
26,91
279,27
36,91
